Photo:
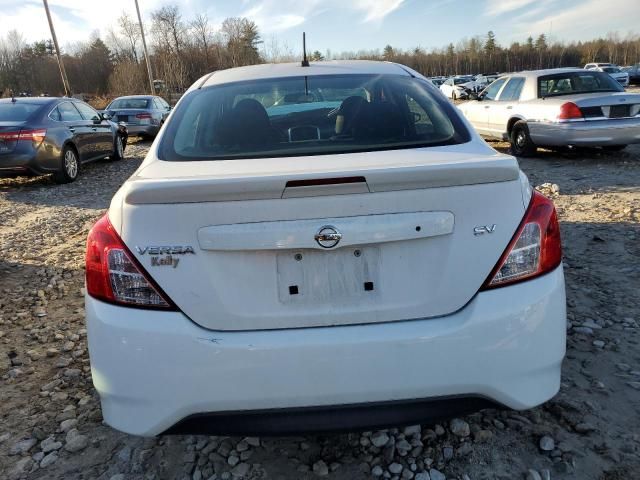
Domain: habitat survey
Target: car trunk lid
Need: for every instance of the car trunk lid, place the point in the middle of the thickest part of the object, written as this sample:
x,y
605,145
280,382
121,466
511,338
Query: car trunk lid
x,y
9,132
394,241
131,116
607,105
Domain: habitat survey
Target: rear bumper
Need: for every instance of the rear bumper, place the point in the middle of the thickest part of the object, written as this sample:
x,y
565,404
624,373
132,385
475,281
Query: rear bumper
x,y
590,133
155,369
22,163
150,130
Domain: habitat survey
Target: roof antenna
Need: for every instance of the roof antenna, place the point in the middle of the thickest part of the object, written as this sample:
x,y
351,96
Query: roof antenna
x,y
305,62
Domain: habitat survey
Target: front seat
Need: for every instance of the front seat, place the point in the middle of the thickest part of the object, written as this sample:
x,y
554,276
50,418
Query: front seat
x,y
348,110
378,121
246,125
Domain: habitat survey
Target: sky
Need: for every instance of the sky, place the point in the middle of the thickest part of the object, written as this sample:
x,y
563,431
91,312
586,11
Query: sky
x,y
347,25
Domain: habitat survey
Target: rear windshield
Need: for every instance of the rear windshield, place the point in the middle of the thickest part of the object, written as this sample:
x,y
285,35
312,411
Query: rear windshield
x,y
611,69
576,82
17,112
130,103
310,116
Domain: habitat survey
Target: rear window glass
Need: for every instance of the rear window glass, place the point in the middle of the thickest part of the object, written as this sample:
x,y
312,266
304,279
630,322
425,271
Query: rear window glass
x,y
576,82
141,103
310,116
611,69
17,112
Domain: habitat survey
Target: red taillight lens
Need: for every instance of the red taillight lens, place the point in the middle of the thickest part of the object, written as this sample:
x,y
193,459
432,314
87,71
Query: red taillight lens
x,y
35,136
570,111
143,115
9,136
535,249
113,274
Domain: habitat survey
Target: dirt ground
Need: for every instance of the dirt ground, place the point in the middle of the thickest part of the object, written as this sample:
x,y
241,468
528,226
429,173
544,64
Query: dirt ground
x,y
50,420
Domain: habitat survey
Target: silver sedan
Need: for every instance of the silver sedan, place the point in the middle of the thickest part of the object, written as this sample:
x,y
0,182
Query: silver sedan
x,y
556,108
142,114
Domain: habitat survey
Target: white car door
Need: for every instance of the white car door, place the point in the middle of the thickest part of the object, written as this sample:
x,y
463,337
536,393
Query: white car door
x,y
489,104
446,87
503,107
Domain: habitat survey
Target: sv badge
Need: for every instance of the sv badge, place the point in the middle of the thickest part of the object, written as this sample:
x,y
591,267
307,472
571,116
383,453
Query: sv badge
x,y
482,229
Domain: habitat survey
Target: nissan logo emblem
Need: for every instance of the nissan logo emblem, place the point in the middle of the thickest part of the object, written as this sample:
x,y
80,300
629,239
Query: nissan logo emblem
x,y
328,236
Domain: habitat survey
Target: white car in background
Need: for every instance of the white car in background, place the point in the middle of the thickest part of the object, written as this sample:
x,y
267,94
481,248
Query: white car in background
x,y
455,87
567,107
616,72
319,248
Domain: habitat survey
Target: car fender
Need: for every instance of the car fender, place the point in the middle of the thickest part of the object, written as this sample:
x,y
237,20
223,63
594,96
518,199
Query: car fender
x,y
512,121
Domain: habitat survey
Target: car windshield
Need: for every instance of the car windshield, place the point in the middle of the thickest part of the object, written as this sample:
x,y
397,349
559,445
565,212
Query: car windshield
x,y
576,82
120,103
18,111
309,116
459,81
611,69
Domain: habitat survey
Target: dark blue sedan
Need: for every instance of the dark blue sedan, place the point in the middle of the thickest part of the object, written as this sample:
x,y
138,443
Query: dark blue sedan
x,y
40,136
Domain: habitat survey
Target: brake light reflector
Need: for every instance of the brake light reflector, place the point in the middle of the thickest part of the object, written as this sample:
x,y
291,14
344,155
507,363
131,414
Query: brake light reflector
x,y
535,249
143,115
114,275
570,111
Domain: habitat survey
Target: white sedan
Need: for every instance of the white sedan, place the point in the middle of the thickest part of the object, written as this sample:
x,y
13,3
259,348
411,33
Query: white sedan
x,y
455,87
556,108
319,248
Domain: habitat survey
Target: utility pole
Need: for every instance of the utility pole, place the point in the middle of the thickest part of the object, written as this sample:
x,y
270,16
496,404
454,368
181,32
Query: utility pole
x,y
146,52
63,72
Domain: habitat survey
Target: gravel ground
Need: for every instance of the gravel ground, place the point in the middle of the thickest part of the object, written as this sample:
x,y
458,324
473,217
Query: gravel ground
x,y
51,425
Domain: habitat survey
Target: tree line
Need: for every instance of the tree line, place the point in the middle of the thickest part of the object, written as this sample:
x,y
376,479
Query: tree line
x,y
184,50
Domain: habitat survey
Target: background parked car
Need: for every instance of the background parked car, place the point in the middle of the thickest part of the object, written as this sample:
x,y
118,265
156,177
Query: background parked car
x,y
616,72
486,79
142,114
454,88
634,73
46,135
557,108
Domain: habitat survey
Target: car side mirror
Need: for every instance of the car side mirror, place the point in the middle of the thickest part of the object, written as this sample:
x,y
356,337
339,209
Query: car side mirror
x,y
105,116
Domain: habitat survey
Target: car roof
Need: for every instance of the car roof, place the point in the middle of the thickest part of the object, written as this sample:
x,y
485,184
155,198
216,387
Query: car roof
x,y
285,70
126,97
547,71
33,100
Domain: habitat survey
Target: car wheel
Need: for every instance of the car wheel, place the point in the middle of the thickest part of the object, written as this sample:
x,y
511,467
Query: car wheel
x,y
118,148
614,148
521,143
69,168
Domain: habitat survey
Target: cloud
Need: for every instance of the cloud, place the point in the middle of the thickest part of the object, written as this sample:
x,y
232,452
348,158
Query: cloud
x,y
377,10
74,20
269,20
269,16
500,7
579,22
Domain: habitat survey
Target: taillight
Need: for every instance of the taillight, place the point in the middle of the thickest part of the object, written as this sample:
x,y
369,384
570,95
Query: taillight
x,y
35,136
143,115
570,111
114,275
10,136
534,250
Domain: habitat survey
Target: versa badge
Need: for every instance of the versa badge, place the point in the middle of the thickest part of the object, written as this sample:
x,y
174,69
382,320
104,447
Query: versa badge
x,y
166,256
